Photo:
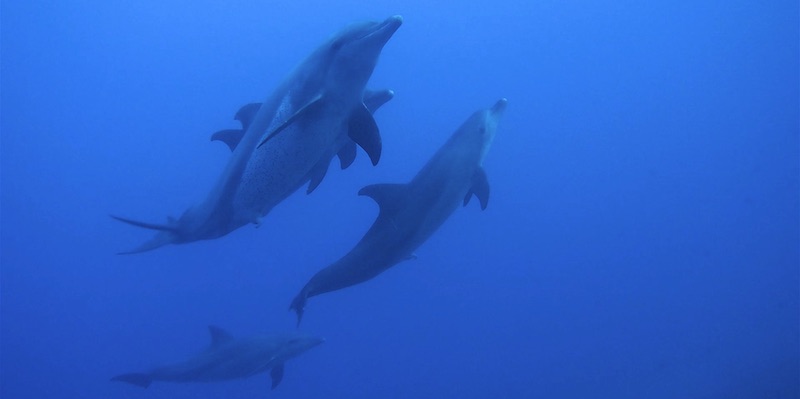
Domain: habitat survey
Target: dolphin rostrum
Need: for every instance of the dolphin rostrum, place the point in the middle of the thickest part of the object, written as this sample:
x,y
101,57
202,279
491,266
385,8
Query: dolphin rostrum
x,y
410,213
228,358
315,114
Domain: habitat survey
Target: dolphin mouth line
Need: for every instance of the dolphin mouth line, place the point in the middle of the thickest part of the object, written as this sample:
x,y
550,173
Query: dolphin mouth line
x,y
396,20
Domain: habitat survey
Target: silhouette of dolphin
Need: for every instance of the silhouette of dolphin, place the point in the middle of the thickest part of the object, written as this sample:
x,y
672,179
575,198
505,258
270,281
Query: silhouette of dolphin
x,y
318,112
410,213
228,358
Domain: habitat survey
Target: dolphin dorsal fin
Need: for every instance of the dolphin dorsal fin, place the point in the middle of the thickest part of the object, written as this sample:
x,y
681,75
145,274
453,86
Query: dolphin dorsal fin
x,y
231,137
218,336
389,196
246,114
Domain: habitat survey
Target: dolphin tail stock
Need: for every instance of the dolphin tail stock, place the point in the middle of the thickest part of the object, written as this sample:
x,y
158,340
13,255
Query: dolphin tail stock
x,y
299,305
139,379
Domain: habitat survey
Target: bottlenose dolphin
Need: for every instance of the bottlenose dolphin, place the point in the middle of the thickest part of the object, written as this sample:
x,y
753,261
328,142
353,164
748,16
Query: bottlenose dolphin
x,y
316,113
227,358
410,213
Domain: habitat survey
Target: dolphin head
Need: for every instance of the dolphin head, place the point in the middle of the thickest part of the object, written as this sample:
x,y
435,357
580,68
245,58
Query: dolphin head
x,y
491,117
294,344
353,52
479,130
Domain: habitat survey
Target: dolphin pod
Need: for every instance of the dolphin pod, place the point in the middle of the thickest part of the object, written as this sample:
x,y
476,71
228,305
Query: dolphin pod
x,y
316,113
228,358
320,111
410,213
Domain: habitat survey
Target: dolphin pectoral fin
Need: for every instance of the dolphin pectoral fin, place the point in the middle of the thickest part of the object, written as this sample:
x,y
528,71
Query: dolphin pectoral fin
x,y
479,188
317,174
374,99
300,112
347,155
246,114
277,375
364,131
218,336
389,196
231,137
138,379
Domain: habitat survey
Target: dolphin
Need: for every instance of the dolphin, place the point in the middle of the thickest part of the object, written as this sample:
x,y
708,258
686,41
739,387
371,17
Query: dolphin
x,y
228,358
410,213
316,113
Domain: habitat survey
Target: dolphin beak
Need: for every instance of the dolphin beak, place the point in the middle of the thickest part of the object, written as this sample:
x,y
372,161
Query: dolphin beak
x,y
386,29
395,20
499,107
316,341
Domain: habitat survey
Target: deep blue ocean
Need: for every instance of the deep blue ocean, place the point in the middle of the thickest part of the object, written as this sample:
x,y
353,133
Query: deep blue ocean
x,y
642,239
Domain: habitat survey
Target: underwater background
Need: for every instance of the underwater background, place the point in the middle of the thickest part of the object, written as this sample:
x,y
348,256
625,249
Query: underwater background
x,y
641,240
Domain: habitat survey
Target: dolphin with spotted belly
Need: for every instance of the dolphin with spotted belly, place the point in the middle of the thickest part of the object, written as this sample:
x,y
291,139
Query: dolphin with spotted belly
x,y
228,358
410,213
318,112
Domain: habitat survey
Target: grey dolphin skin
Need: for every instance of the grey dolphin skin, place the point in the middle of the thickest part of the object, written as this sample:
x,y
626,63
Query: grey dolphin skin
x,y
228,358
315,114
410,213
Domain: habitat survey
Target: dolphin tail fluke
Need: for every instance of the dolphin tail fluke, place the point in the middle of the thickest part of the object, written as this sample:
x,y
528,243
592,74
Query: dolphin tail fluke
x,y
166,235
144,225
138,379
161,239
299,305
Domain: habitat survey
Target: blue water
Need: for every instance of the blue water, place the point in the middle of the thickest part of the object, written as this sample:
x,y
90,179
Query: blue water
x,y
641,240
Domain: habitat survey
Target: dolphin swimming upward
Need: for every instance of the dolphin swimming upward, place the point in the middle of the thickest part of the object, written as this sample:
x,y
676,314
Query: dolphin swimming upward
x,y
411,213
316,113
228,358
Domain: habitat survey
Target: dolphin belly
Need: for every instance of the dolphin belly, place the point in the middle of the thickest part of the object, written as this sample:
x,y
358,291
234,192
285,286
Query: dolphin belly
x,y
278,169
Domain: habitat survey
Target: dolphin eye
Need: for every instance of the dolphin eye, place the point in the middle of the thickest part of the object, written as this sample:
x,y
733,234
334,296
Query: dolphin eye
x,y
337,44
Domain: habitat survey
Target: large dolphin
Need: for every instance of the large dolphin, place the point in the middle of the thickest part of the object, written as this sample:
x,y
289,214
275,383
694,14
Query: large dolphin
x,y
227,358
410,213
316,113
